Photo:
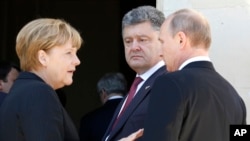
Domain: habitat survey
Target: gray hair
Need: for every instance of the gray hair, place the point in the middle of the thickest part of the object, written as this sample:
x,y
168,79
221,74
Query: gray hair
x,y
144,14
112,83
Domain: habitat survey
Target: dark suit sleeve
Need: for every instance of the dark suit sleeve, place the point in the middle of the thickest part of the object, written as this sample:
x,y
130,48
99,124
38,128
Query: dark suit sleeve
x,y
165,111
43,120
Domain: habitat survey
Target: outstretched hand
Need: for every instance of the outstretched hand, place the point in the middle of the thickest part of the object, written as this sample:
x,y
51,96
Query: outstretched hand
x,y
133,136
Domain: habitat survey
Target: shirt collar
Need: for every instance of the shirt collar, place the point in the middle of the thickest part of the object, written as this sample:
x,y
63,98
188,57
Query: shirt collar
x,y
194,59
115,97
148,73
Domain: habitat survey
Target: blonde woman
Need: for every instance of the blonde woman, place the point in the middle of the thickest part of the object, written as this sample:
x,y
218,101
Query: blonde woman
x,y
32,112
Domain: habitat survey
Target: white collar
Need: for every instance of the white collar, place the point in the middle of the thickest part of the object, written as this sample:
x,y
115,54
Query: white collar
x,y
194,59
152,70
115,97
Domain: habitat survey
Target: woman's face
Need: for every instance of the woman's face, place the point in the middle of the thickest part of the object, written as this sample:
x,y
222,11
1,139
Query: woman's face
x,y
60,65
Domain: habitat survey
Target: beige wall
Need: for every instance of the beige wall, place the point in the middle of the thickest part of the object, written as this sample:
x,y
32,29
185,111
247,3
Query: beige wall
x,y
230,25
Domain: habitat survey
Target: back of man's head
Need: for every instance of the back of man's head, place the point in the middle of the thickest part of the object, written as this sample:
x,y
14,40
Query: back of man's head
x,y
112,83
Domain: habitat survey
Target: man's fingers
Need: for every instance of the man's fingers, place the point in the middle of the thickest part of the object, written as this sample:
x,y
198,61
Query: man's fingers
x,y
133,136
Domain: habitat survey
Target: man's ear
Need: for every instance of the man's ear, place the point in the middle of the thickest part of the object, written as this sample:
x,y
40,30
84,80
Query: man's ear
x,y
103,96
181,38
42,57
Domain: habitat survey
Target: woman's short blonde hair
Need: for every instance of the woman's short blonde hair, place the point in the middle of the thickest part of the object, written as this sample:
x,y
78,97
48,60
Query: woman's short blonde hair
x,y
43,34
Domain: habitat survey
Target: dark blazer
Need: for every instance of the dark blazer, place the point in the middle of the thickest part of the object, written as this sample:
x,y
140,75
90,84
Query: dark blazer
x,y
2,97
133,118
94,124
33,112
193,104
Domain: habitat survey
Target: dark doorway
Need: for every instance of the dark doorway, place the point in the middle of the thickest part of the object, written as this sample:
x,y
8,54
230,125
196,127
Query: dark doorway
x,y
99,23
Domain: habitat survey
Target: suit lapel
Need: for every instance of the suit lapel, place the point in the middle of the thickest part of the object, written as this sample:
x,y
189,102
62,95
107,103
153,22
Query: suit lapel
x,y
141,94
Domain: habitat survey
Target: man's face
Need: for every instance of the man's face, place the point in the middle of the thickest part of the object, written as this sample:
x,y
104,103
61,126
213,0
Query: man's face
x,y
142,47
11,77
170,47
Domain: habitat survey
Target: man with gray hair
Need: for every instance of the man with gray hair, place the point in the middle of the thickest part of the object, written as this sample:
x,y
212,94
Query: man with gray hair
x,y
192,102
111,88
140,33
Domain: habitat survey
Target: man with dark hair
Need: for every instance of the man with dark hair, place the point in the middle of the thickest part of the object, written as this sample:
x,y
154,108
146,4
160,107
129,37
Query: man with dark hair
x,y
8,74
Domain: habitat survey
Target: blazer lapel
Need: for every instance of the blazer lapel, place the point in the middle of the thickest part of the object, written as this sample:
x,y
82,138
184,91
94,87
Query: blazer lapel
x,y
135,102
141,94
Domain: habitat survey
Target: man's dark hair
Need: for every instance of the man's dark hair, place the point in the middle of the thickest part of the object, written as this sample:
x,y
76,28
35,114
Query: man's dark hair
x,y
5,68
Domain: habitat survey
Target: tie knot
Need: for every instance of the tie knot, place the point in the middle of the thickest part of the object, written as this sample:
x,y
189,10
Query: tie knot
x,y
137,81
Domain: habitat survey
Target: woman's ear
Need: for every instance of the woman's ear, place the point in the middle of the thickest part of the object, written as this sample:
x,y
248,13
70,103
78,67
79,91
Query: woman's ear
x,y
42,57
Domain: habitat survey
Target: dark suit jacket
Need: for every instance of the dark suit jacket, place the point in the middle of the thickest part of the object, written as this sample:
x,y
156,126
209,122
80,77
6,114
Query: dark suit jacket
x,y
33,112
193,104
94,125
133,118
2,97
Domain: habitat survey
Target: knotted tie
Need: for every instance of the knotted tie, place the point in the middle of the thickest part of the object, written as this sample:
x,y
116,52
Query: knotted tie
x,y
131,95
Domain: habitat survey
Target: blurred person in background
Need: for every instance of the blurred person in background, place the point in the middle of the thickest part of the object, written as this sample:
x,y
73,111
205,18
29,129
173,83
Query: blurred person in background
x,y
8,74
111,89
